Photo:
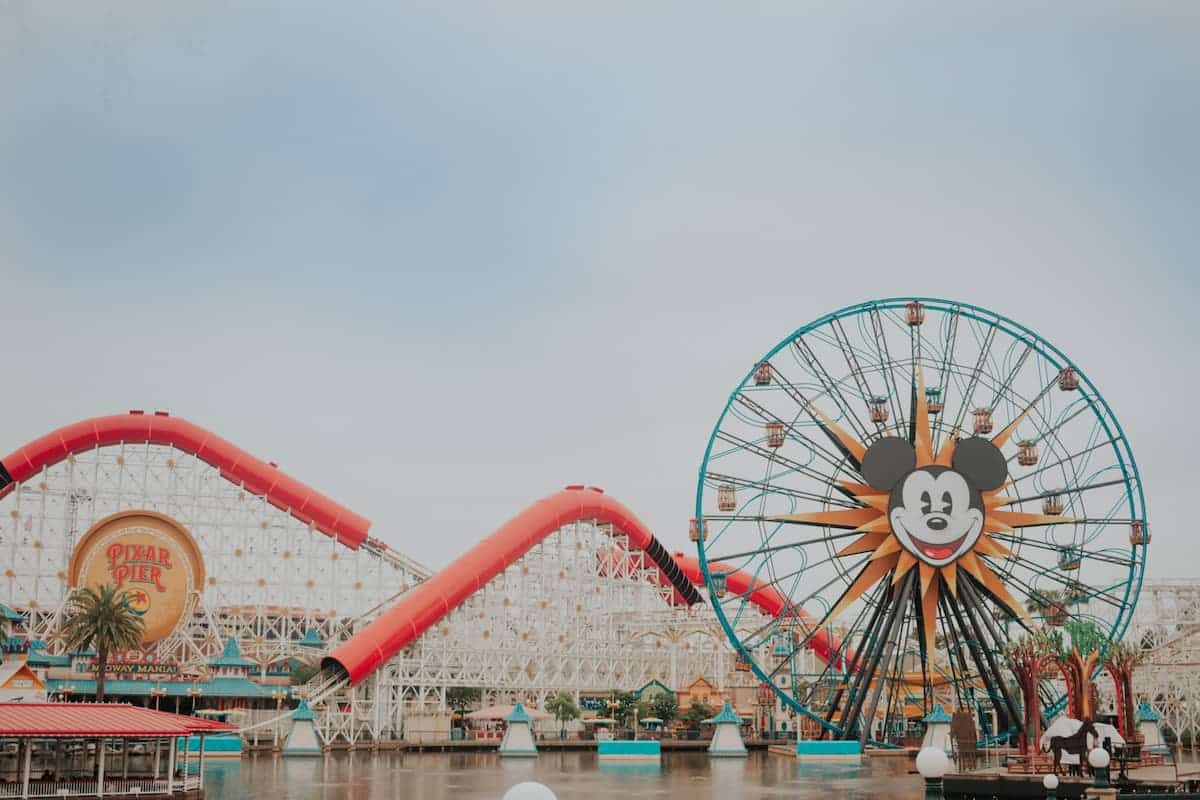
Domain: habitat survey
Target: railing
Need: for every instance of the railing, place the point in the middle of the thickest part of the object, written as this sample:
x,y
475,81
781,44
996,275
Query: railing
x,y
132,787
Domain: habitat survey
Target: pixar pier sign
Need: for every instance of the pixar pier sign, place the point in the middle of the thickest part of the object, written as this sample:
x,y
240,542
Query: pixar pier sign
x,y
152,557
138,563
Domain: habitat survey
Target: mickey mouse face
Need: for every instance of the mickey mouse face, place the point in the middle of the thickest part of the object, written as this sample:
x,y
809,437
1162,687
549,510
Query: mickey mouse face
x,y
936,512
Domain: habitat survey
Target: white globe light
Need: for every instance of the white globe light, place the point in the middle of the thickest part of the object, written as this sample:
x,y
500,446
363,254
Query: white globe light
x,y
1098,758
1050,781
530,790
932,762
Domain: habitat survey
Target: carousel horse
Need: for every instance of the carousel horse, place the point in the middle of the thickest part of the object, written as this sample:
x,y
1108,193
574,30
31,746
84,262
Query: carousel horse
x,y
1075,744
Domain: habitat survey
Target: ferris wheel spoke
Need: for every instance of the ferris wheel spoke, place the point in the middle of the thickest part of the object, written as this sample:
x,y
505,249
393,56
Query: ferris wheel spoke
x,y
773,457
868,649
1066,460
777,547
810,629
861,655
1066,490
959,669
973,609
797,607
829,385
791,430
976,373
1095,554
894,614
850,447
944,377
1066,583
843,343
885,365
766,487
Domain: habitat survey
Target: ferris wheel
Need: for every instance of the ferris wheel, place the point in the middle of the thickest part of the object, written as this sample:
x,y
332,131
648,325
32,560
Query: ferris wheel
x,y
922,480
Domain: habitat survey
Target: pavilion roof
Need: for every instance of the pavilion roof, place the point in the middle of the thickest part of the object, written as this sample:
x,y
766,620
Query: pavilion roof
x,y
98,720
518,714
939,715
726,716
501,712
311,639
303,712
214,687
231,656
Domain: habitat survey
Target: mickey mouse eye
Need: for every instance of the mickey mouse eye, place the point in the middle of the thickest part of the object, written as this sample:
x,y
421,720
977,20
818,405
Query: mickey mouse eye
x,y
947,503
926,503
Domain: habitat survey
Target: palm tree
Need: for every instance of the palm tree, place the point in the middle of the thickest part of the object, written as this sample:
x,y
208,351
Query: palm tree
x,y
104,620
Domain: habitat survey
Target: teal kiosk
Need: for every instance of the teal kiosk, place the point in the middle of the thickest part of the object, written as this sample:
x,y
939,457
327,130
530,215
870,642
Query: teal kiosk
x,y
302,739
518,736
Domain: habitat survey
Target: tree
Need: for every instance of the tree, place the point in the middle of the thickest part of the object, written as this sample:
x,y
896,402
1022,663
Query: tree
x,y
302,674
665,706
1050,604
104,620
1078,658
697,712
1028,657
562,706
1121,660
461,698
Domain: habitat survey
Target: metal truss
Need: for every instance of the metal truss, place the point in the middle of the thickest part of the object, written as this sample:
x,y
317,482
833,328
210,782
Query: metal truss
x,y
1166,625
271,578
580,612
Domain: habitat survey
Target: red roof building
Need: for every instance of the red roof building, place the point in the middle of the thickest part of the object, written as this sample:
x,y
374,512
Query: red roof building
x,y
99,720
43,732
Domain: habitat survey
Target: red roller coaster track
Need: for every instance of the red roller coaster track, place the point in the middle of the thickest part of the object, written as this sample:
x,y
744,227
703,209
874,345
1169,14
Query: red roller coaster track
x,y
429,601
256,476
426,604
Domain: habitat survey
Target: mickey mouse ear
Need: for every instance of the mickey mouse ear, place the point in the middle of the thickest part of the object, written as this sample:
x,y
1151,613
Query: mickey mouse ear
x,y
982,462
887,461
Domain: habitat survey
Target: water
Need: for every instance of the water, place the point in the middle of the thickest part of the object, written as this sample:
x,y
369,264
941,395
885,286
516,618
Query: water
x,y
573,775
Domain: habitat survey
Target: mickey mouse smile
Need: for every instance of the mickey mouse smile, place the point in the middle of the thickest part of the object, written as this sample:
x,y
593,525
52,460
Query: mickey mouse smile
x,y
933,551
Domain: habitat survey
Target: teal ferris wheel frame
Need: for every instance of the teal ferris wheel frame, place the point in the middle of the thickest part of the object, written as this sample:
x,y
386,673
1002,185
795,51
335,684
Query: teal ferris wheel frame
x,y
1121,485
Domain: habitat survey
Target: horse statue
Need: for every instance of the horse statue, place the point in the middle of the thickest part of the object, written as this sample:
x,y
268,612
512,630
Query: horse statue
x,y
1075,744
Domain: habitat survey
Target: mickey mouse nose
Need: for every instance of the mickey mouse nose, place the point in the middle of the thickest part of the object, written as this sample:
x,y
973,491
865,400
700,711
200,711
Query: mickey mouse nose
x,y
937,523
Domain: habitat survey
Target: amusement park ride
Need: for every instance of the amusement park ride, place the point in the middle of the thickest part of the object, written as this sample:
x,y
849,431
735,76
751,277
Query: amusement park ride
x,y
890,495
934,477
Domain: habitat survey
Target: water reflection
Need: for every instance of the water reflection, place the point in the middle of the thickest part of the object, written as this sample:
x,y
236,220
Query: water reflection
x,y
572,775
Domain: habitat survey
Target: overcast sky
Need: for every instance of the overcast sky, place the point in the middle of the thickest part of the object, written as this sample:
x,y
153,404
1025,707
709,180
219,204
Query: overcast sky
x,y
440,260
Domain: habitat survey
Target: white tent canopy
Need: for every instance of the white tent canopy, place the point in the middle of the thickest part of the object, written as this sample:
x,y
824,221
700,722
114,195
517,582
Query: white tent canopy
x,y
1065,726
500,712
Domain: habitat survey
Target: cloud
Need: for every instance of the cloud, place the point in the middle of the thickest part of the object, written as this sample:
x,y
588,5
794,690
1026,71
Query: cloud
x,y
440,264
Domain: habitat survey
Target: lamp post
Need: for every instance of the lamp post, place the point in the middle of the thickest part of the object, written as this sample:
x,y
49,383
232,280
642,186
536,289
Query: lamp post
x,y
933,764
194,692
613,705
277,695
1098,759
1050,783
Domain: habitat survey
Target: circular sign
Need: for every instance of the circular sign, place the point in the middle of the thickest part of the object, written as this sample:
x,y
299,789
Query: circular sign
x,y
151,557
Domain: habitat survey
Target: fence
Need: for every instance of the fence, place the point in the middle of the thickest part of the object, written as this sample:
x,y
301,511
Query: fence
x,y
88,788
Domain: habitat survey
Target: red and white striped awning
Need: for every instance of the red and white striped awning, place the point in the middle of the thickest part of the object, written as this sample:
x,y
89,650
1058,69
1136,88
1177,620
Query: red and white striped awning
x,y
99,720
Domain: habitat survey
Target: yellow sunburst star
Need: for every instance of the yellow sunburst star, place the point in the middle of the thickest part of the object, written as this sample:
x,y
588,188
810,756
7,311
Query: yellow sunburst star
x,y
893,555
